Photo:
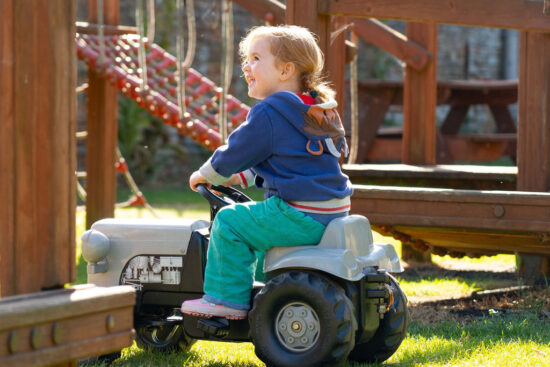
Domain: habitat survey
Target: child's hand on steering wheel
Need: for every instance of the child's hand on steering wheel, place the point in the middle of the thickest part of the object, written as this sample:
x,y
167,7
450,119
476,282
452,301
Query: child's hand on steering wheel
x,y
197,179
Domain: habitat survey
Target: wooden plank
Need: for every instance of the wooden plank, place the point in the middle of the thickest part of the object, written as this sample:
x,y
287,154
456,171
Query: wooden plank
x,y
534,132
481,13
7,183
442,176
470,240
45,121
72,352
441,171
419,101
488,210
391,41
70,323
533,113
87,28
102,133
40,307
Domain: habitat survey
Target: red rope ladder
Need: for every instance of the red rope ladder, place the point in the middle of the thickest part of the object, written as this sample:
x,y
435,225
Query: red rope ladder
x,y
160,98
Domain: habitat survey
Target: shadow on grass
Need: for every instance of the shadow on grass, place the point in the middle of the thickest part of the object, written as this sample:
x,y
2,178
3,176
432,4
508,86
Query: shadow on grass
x,y
446,343
481,279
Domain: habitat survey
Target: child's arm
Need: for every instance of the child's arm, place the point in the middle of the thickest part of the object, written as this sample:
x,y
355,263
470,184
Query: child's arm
x,y
250,144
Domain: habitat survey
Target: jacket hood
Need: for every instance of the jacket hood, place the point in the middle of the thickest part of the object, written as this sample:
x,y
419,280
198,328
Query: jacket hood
x,y
319,123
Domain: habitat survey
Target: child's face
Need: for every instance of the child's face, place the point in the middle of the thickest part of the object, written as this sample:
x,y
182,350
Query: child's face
x,y
260,69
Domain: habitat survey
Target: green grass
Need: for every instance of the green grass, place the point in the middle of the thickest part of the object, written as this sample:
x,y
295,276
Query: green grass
x,y
508,340
519,340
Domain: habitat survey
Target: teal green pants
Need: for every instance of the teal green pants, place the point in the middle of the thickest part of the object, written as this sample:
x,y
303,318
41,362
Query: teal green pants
x,y
242,231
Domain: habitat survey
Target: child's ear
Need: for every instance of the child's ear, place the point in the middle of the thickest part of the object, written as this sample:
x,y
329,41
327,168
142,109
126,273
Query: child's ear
x,y
288,71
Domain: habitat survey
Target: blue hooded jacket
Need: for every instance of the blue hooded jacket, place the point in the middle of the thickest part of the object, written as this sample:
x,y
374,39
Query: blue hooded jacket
x,y
291,149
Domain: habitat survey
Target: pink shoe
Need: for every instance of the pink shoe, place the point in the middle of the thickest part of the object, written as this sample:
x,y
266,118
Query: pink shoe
x,y
201,308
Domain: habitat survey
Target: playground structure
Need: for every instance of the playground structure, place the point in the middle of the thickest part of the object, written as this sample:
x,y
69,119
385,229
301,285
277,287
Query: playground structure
x,y
419,145
37,141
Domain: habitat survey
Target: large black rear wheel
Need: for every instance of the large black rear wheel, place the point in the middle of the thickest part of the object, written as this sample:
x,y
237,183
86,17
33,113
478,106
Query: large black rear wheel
x,y
302,319
390,333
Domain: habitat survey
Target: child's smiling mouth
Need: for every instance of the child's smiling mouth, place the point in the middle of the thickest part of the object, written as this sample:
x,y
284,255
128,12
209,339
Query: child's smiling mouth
x,y
250,80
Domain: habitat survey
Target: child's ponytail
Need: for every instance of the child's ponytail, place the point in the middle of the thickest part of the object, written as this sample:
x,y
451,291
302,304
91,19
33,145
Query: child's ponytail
x,y
314,85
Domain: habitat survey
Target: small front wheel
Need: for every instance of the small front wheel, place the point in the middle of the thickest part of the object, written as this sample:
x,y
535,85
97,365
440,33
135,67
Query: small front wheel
x,y
302,319
163,338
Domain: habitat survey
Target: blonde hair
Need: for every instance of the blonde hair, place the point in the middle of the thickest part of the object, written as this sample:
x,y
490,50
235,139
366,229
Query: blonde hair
x,y
290,43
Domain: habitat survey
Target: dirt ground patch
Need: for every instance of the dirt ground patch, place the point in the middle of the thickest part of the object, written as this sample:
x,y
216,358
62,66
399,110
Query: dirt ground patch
x,y
501,301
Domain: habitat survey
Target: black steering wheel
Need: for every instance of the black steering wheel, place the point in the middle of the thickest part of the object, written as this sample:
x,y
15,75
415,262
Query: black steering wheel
x,y
227,196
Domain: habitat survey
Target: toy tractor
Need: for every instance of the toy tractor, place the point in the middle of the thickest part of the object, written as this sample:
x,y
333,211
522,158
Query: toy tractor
x,y
319,306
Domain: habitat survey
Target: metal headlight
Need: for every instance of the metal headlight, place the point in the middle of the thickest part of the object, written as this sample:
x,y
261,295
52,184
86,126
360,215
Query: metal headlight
x,y
95,246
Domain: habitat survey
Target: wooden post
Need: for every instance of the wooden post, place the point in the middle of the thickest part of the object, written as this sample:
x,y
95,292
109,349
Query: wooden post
x,y
102,133
533,157
332,40
37,144
419,102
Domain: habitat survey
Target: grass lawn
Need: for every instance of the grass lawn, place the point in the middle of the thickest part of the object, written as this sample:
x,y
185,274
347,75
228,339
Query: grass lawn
x,y
519,338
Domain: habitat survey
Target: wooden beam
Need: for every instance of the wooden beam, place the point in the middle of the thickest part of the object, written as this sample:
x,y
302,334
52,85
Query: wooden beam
x,y
467,220
419,101
53,327
391,41
534,132
331,32
274,12
7,158
534,112
471,241
514,14
102,133
38,104
443,176
271,11
87,28
488,210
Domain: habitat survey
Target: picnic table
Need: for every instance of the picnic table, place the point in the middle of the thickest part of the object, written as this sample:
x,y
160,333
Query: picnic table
x,y
384,144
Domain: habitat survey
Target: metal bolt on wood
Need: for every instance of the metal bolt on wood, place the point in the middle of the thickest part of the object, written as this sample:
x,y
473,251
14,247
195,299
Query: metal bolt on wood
x,y
36,337
13,341
110,323
498,211
56,333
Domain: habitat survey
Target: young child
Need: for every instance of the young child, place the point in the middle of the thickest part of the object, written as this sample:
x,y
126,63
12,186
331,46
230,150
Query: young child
x,y
290,146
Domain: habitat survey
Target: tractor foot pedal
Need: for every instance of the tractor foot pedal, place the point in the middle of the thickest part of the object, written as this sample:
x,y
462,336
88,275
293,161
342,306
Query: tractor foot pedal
x,y
216,326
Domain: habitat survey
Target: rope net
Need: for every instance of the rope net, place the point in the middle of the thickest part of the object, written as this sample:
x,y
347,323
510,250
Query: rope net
x,y
121,68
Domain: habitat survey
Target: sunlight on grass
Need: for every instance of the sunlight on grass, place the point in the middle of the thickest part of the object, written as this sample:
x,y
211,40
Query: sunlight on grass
x,y
202,354
498,262
437,287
